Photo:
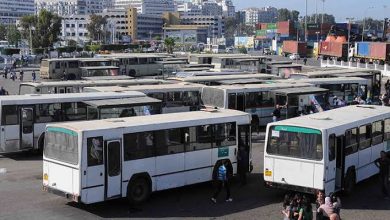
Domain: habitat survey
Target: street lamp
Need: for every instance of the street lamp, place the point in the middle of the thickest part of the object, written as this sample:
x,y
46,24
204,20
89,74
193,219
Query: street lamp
x,y
364,20
349,32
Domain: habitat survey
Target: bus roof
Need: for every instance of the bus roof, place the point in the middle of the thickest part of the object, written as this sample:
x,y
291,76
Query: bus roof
x,y
335,80
133,55
225,77
92,83
118,77
140,123
67,97
122,102
336,117
241,81
79,59
286,65
259,87
327,72
149,88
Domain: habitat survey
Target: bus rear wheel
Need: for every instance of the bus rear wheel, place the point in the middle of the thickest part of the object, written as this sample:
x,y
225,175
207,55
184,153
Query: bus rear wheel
x,y
138,190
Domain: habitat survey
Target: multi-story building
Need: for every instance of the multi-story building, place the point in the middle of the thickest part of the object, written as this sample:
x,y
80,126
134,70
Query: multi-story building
x,y
260,15
71,7
187,34
216,24
188,8
228,9
12,10
143,26
74,27
211,8
153,7
251,16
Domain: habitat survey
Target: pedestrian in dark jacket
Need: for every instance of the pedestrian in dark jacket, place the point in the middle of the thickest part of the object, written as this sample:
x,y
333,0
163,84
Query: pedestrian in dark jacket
x,y
222,182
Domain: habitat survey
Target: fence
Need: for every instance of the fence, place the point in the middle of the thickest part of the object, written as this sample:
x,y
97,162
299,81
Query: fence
x,y
385,69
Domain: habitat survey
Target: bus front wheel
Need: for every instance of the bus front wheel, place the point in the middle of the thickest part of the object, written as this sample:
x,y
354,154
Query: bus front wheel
x,y
138,190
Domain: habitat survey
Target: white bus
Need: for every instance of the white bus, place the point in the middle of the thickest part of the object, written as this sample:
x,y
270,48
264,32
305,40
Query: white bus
x,y
23,117
74,86
95,161
55,68
176,97
138,64
328,151
260,99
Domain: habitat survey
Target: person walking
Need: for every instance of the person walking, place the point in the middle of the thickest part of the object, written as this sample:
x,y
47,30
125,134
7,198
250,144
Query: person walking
x,y
222,182
3,91
286,207
64,75
34,76
319,201
306,211
242,159
304,61
383,164
328,210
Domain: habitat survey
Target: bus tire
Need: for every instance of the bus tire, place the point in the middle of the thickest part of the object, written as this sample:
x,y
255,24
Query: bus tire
x,y
350,182
132,73
138,189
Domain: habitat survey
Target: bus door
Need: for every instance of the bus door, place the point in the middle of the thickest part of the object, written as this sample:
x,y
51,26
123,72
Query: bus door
x,y
240,102
244,143
340,161
26,127
61,90
113,167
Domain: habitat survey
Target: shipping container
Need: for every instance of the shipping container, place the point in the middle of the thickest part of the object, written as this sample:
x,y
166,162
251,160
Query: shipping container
x,y
286,28
290,47
334,49
380,51
362,49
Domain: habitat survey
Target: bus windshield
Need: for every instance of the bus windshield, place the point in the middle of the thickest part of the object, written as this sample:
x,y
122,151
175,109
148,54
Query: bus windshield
x,y
296,142
61,144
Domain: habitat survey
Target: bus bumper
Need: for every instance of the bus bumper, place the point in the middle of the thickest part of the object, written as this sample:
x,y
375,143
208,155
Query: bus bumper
x,y
68,196
288,187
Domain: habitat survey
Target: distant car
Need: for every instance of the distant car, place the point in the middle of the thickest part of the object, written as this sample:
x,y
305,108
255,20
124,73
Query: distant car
x,y
229,50
294,56
267,51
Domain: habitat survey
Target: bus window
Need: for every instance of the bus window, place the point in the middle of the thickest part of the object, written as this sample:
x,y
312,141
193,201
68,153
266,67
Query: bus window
x,y
48,113
232,101
10,115
377,132
267,100
296,142
364,137
58,65
387,129
73,64
332,147
252,99
169,141
199,138
351,143
225,134
74,111
157,95
95,151
138,146
61,146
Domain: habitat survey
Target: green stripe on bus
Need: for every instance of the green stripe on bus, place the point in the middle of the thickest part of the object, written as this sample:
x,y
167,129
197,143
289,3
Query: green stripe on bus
x,y
62,130
297,129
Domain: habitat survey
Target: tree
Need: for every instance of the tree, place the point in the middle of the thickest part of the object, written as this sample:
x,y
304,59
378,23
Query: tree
x,y
330,19
96,26
3,32
13,35
72,43
231,25
170,44
43,28
284,15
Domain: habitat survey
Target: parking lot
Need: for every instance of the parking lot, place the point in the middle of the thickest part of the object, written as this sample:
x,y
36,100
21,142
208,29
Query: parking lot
x,y
21,197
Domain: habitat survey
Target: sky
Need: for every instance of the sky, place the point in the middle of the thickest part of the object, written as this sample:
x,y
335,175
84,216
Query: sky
x,y
341,9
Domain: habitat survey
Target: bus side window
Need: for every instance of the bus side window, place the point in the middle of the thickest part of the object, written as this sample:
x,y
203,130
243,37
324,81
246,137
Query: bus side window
x,y
377,132
387,130
199,138
10,115
138,145
351,144
332,147
95,151
364,136
232,101
225,134
170,141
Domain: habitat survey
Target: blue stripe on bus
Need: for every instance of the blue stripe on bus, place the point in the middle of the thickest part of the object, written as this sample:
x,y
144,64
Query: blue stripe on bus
x,y
62,130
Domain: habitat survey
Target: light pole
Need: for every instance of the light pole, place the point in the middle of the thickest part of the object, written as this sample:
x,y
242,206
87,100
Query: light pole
x,y
364,20
349,32
306,21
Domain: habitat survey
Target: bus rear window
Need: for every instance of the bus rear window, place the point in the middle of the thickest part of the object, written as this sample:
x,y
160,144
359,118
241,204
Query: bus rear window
x,y
61,144
295,142
27,89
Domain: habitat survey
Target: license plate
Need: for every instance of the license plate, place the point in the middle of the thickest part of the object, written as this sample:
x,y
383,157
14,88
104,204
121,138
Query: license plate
x,y
268,173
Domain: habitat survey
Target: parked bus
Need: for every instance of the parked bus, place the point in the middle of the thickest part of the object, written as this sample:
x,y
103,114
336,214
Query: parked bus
x,y
138,64
328,151
74,86
55,68
214,80
209,73
345,88
177,97
260,99
244,63
24,117
95,161
374,77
